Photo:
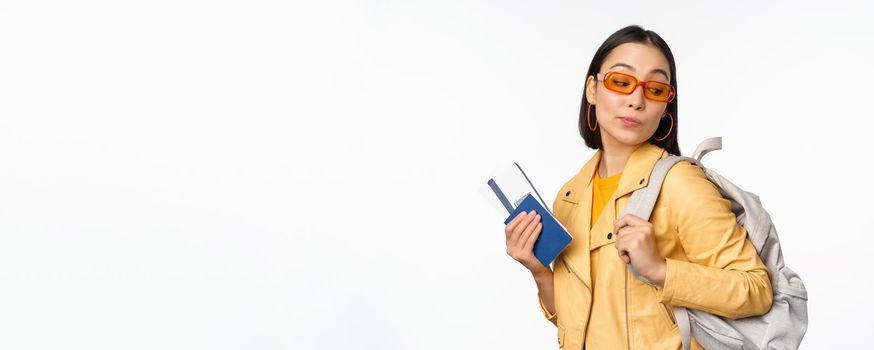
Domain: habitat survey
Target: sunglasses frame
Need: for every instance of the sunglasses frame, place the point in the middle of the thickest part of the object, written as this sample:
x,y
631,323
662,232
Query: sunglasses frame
x,y
603,77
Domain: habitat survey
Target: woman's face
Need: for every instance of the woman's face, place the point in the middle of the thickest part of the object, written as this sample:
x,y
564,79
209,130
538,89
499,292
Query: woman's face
x,y
628,119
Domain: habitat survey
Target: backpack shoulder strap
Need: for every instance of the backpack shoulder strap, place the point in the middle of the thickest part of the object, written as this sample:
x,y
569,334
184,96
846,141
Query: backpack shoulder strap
x,y
642,203
643,200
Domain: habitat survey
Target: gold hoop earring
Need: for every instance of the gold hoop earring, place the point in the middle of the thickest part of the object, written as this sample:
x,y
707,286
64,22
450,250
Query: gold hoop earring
x,y
669,130
589,120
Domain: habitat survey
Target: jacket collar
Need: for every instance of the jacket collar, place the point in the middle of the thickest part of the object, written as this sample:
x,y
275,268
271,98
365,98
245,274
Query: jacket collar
x,y
634,176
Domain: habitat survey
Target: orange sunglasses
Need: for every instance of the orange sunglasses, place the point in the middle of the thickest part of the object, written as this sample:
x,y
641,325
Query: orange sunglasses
x,y
626,84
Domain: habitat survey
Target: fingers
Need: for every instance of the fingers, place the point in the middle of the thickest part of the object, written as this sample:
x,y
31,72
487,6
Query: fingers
x,y
520,227
523,239
632,233
635,240
624,256
623,250
619,224
522,234
631,219
513,223
628,220
528,243
533,220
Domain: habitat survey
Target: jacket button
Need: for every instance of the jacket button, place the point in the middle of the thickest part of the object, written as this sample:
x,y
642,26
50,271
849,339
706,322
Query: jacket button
x,y
609,235
567,194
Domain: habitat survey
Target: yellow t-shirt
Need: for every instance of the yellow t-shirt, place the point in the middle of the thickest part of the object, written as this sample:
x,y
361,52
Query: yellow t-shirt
x,y
603,189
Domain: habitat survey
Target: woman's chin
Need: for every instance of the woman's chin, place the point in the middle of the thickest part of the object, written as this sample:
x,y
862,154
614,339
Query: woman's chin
x,y
628,137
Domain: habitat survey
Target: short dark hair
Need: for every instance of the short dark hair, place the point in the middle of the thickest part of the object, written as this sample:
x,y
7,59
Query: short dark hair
x,y
632,34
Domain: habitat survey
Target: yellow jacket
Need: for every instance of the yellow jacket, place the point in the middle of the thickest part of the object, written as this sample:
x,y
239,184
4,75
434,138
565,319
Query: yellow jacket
x,y
711,266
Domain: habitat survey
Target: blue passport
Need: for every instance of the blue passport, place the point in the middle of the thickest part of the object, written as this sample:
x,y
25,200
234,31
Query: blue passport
x,y
553,236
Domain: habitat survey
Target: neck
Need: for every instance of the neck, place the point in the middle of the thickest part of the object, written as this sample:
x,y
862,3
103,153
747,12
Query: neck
x,y
614,155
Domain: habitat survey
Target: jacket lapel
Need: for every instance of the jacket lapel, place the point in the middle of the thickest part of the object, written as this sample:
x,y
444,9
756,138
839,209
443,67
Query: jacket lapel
x,y
634,176
636,173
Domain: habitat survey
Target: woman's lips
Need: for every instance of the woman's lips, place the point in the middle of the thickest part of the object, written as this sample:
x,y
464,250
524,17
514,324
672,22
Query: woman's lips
x,y
630,122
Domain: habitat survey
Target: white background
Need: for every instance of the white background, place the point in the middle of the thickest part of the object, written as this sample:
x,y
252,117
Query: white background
x,y
267,175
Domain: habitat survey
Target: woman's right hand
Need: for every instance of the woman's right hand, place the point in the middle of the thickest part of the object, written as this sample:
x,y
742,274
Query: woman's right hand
x,y
521,234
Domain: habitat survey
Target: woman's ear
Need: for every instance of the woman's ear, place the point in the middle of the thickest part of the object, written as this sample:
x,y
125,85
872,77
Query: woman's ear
x,y
590,89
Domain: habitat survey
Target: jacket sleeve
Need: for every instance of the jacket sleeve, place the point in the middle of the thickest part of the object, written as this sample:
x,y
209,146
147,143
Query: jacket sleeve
x,y
724,274
556,210
549,316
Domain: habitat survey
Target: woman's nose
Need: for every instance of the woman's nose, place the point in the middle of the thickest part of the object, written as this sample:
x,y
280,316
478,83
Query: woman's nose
x,y
636,99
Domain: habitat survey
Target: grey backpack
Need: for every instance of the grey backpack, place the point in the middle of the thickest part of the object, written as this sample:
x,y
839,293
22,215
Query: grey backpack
x,y
786,322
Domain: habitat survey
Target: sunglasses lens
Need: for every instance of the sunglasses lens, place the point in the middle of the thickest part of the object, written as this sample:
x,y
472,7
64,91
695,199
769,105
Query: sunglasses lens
x,y
620,83
657,91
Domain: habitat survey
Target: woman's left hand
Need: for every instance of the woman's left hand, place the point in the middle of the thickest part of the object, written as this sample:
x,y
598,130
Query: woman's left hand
x,y
635,242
